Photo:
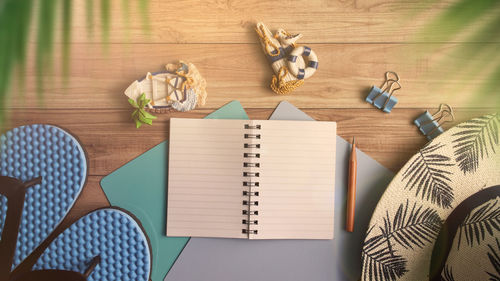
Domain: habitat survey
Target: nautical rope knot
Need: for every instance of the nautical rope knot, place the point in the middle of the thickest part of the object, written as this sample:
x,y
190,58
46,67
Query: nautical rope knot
x,y
282,87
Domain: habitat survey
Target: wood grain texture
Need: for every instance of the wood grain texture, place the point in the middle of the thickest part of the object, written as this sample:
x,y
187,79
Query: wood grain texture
x,y
110,138
240,71
356,42
232,21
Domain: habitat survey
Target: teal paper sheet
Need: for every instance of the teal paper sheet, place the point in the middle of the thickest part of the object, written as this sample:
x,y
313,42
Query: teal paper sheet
x,y
140,187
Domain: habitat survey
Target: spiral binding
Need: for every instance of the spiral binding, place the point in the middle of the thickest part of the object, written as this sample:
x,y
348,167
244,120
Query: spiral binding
x,y
251,155
250,202
252,136
251,145
252,127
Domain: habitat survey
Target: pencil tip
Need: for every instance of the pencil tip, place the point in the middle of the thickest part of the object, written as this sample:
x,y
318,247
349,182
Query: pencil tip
x,y
353,140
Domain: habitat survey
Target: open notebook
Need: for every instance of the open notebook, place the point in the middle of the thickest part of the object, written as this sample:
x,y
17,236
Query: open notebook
x,y
259,179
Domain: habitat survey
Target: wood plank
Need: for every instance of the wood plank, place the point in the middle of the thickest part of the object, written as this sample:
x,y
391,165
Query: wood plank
x,y
91,198
216,21
346,72
111,140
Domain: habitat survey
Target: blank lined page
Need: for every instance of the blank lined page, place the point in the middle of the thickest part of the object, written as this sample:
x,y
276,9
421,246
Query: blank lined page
x,y
251,179
205,178
296,180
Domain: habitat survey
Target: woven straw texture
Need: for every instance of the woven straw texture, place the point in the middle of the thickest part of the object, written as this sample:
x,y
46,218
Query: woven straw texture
x,y
404,226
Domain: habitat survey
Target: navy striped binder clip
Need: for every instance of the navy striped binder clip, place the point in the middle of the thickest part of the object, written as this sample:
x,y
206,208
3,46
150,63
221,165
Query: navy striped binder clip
x,y
430,124
383,97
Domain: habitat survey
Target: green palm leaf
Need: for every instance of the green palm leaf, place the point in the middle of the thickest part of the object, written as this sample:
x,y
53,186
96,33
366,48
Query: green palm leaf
x,y
105,19
380,262
481,221
479,138
414,227
15,21
494,257
89,7
15,18
66,36
428,176
45,38
466,22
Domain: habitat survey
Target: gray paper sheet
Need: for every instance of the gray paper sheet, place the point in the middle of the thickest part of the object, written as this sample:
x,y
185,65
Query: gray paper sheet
x,y
216,259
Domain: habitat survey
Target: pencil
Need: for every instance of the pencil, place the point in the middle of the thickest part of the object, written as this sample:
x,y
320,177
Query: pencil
x,y
351,191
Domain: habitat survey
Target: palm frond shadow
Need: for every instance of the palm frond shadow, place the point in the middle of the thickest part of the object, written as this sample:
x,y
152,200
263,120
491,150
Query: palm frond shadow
x,y
492,82
410,227
472,26
478,139
472,60
483,220
457,18
16,23
494,257
428,175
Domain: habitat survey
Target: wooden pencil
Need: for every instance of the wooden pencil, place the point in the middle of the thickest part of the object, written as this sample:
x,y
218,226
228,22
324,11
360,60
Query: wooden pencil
x,y
351,191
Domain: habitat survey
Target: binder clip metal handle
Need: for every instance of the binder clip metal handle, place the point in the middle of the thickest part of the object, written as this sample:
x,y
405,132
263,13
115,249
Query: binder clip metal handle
x,y
431,124
426,117
382,98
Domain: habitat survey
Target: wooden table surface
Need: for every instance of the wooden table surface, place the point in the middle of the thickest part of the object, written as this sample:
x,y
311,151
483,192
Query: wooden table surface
x,y
356,42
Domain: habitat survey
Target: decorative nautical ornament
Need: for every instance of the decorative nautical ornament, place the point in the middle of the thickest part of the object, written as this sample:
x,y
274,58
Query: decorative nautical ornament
x,y
181,87
287,59
312,63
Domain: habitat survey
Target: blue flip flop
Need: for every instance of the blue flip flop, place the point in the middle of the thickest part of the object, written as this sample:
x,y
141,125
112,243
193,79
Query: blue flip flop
x,y
107,244
48,152
111,234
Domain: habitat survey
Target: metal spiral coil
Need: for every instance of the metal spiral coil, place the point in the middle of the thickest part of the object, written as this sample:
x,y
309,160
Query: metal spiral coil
x,y
251,196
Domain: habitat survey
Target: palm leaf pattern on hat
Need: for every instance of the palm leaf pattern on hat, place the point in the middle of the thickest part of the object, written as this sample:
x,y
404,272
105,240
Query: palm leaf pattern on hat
x,y
380,262
494,257
414,227
447,274
479,222
409,227
478,138
427,174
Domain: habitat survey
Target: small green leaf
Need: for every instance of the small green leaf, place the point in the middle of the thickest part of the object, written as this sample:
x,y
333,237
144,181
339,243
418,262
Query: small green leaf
x,y
145,120
143,103
138,123
142,100
147,114
133,103
134,114
140,115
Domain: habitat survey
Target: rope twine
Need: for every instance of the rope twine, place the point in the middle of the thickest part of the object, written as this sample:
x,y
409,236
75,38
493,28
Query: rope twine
x,y
267,42
278,83
288,35
279,86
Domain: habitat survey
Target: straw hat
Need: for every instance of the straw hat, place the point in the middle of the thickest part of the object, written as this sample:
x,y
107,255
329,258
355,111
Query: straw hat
x,y
442,208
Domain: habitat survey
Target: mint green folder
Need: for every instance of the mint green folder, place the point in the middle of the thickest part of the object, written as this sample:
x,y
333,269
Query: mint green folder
x,y
140,187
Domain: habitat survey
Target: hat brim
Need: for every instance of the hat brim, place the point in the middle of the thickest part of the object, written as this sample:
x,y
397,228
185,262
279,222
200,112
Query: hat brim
x,y
409,216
